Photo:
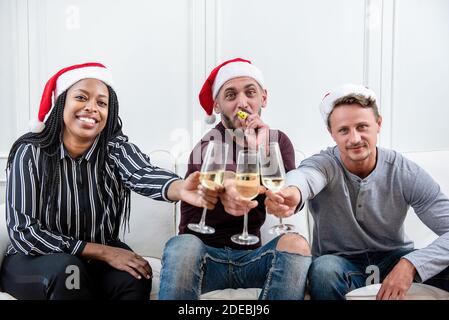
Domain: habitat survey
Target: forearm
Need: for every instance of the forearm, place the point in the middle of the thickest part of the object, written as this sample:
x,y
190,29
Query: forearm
x,y
431,260
137,172
308,181
152,183
94,251
300,202
174,190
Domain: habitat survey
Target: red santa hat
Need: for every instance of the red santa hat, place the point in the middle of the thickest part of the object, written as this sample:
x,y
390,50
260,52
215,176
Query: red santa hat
x,y
61,81
327,104
228,70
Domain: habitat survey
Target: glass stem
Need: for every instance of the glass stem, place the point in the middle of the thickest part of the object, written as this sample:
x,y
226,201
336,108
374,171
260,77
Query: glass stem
x,y
203,218
280,221
245,226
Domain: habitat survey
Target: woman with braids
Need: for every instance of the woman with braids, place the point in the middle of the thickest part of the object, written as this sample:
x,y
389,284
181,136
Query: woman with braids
x,y
68,192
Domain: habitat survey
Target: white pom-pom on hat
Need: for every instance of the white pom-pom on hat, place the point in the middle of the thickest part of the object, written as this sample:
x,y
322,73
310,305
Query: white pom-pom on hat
x,y
327,104
36,126
210,119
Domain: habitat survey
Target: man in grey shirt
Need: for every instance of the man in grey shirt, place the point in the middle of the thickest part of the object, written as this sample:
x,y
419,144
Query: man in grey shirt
x,y
359,196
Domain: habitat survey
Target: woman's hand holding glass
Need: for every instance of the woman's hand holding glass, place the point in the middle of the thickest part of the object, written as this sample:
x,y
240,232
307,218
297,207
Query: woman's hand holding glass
x,y
211,178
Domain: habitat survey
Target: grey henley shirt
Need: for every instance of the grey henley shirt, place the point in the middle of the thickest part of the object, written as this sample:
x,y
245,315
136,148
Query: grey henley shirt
x,y
354,215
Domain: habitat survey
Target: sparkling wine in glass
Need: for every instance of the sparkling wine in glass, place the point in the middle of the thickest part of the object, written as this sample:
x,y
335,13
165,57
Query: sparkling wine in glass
x,y
211,175
247,184
272,172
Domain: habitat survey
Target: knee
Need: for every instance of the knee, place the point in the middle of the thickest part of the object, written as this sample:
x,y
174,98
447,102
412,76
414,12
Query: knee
x,y
327,268
183,243
126,287
294,243
142,289
183,248
328,279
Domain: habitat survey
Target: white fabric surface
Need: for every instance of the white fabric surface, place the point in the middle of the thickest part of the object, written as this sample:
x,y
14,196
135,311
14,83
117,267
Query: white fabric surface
x,y
4,239
417,291
5,296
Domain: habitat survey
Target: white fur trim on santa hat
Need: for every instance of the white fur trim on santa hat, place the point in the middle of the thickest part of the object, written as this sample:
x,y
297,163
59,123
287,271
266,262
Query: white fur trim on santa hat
x,y
210,119
235,70
327,104
69,78
36,126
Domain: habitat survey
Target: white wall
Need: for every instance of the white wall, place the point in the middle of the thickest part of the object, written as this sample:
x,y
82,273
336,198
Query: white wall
x,y
420,107
161,50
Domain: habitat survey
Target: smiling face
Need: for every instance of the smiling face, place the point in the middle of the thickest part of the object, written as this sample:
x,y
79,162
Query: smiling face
x,y
85,111
243,93
354,129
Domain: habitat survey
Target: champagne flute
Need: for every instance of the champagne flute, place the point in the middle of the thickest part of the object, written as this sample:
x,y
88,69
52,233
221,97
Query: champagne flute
x,y
272,172
247,185
211,175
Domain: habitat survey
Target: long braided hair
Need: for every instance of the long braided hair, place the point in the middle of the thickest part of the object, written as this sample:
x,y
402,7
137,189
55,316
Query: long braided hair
x,y
49,140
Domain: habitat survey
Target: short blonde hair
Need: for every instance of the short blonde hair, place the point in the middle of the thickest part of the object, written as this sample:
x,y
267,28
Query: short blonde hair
x,y
363,101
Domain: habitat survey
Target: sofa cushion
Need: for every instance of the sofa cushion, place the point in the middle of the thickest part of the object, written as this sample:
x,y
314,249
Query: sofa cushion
x,y
232,294
152,222
4,238
6,296
156,267
417,291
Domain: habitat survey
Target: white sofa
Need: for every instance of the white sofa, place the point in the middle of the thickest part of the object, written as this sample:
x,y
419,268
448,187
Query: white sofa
x,y
153,223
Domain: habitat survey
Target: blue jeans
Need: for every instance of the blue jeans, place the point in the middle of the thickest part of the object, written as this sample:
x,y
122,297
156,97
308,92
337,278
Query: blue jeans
x,y
331,277
191,268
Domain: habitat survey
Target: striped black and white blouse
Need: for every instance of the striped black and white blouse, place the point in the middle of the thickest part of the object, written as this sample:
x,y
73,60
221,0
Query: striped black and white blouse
x,y
84,214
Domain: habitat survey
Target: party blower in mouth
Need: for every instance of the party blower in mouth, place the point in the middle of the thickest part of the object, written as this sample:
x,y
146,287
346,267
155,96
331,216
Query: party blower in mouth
x,y
242,114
